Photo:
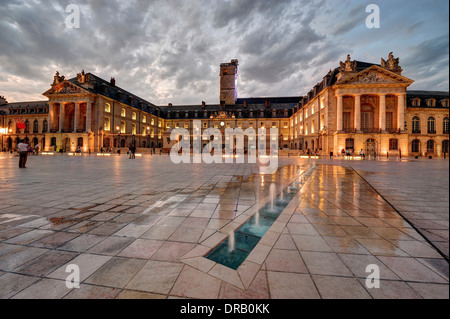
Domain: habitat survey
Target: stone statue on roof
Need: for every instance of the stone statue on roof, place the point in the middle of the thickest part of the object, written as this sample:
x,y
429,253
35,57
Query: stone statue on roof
x,y
392,64
57,79
348,65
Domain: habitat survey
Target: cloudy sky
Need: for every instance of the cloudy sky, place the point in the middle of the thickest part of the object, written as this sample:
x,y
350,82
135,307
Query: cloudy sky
x,y
169,51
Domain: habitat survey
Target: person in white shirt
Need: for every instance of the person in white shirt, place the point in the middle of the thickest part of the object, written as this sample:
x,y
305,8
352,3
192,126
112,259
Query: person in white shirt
x,y
23,153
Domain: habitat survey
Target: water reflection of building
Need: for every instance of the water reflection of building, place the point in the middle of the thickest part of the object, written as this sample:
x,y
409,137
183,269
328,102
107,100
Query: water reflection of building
x,y
358,105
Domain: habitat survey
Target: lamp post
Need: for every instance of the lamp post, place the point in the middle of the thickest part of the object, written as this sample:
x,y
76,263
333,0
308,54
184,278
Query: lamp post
x,y
3,131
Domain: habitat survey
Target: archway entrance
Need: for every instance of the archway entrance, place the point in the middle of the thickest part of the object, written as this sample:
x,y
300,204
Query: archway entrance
x,y
371,147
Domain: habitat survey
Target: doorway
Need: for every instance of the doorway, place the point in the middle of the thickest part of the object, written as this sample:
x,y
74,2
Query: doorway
x,y
371,147
66,144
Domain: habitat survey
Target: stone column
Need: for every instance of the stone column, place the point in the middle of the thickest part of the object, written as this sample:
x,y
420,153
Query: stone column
x,y
339,113
401,112
61,117
77,117
49,119
89,117
382,111
358,113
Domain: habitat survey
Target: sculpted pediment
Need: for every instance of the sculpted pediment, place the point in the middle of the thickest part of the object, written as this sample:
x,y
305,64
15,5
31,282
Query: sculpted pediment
x,y
65,88
375,75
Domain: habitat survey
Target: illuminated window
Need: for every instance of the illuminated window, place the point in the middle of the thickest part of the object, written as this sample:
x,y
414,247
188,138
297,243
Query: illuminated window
x,y
186,125
393,144
416,124
285,124
177,125
144,119
107,108
134,129
153,122
312,127
446,128
134,116
152,133
431,125
107,125
123,127
123,113
159,124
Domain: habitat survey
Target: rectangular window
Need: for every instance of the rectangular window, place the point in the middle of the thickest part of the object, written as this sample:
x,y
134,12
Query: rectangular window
x,y
365,121
123,127
389,116
108,108
134,116
123,113
134,129
393,144
144,119
347,121
107,125
186,125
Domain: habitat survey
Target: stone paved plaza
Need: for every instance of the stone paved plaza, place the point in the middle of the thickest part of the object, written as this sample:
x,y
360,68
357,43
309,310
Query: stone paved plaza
x,y
141,228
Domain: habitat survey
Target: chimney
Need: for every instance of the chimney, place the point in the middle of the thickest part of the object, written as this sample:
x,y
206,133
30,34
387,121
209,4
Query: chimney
x,y
113,81
203,104
170,105
267,103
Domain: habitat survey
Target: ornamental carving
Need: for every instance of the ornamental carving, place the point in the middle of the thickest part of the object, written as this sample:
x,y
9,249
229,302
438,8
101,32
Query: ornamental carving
x,y
371,77
348,65
58,79
392,64
369,99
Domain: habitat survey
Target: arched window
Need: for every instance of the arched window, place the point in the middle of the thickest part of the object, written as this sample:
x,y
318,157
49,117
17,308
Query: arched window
x,y
393,144
416,124
45,126
27,126
35,126
430,147
446,126
431,125
415,146
445,146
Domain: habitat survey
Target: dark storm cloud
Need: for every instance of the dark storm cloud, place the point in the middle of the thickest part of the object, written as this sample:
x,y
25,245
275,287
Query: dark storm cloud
x,y
170,50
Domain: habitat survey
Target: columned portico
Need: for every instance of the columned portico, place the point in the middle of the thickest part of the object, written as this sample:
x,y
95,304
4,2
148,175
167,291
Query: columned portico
x,y
358,113
401,111
61,117
89,117
77,117
382,112
339,114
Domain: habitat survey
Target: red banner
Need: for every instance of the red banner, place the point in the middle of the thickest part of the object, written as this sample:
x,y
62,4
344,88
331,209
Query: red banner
x,y
20,124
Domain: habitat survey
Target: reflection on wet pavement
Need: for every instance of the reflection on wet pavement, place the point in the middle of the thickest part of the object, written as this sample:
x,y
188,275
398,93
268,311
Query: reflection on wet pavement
x,y
143,229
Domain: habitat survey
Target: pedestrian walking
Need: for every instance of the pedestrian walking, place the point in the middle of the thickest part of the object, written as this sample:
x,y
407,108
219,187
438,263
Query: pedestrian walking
x,y
23,154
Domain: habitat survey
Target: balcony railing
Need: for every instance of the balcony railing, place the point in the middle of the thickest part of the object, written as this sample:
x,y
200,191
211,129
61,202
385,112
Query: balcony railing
x,y
349,130
54,130
393,131
371,130
416,131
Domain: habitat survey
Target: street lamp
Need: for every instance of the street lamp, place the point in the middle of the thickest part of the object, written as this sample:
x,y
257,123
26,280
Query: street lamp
x,y
3,131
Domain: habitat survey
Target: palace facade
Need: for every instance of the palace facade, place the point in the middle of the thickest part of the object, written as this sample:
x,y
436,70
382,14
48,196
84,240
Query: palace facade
x,y
357,106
